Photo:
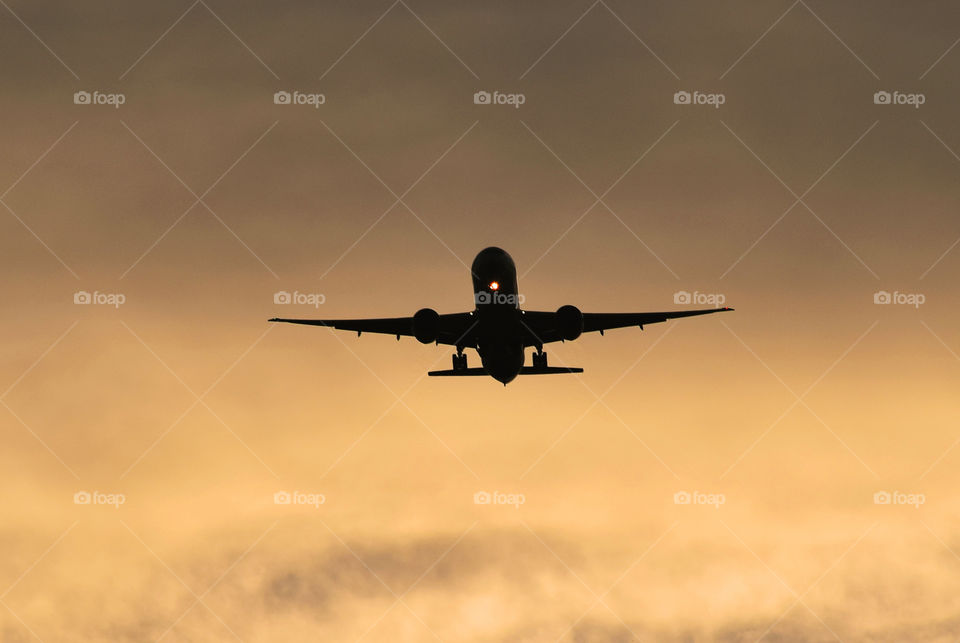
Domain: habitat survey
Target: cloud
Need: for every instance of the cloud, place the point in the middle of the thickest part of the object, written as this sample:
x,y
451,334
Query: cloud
x,y
497,585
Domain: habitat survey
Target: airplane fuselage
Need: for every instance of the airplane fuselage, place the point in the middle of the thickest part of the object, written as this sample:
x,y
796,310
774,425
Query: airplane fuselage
x,y
499,325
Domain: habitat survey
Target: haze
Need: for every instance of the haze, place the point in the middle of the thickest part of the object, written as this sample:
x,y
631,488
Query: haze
x,y
798,200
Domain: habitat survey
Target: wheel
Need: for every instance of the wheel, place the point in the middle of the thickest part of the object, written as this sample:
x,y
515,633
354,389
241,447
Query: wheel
x,y
540,360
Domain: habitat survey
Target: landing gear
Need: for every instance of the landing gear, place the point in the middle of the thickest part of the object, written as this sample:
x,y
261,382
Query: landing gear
x,y
540,359
459,362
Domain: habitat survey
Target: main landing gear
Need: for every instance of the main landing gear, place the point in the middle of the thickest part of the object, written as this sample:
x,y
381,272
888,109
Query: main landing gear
x,y
459,362
540,359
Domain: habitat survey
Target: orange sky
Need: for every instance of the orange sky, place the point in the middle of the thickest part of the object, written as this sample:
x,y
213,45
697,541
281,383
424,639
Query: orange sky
x,y
798,200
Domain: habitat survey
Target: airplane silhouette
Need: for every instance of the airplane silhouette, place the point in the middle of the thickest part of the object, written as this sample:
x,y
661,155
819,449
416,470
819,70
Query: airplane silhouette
x,y
497,328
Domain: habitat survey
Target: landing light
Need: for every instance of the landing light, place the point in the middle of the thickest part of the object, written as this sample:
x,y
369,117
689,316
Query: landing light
x,y
494,285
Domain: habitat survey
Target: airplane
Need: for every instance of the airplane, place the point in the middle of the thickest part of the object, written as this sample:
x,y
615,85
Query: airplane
x,y
498,329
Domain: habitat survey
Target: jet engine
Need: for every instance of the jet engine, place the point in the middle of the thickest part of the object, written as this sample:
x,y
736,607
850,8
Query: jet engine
x,y
426,325
569,322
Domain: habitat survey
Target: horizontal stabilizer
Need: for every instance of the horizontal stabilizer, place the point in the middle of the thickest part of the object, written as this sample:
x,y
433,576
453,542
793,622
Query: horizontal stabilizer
x,y
526,370
547,370
459,372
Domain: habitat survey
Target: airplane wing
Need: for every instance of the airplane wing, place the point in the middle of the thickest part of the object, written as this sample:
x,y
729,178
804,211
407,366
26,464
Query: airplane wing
x,y
452,329
544,327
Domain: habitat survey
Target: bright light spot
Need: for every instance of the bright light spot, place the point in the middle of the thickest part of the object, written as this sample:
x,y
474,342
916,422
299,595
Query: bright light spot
x,y
494,285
